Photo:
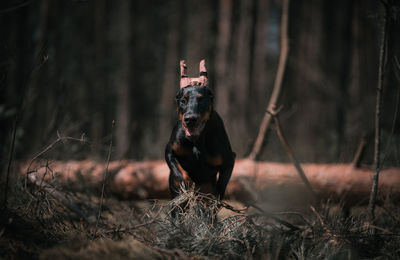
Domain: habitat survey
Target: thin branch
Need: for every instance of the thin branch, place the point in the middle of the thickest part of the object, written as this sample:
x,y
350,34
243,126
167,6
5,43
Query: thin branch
x,y
104,180
382,55
40,60
360,150
57,195
278,81
396,111
48,148
280,221
290,154
10,9
33,178
328,231
10,159
394,124
151,221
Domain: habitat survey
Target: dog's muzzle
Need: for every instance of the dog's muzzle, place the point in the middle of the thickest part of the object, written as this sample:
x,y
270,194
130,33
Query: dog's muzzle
x,y
193,125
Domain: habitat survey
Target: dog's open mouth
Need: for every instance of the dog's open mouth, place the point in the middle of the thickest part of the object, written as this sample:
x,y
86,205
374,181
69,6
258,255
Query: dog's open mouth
x,y
194,130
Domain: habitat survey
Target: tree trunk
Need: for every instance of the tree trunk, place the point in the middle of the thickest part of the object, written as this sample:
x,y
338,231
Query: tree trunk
x,y
121,77
221,62
99,75
317,77
280,73
149,179
241,79
170,84
378,107
260,84
37,95
197,34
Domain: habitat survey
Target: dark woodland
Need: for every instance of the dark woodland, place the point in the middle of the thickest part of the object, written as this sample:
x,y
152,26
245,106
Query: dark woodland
x,y
79,65
94,82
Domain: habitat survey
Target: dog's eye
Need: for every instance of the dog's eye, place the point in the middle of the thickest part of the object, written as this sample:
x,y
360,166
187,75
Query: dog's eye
x,y
183,101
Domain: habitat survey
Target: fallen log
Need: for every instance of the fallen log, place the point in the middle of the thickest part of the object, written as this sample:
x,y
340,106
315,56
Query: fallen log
x,y
149,179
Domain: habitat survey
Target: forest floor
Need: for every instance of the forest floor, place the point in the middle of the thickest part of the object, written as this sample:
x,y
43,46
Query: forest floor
x,y
38,225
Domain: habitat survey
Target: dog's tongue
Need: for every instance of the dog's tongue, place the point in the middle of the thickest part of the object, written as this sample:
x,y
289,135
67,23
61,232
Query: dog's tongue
x,y
193,131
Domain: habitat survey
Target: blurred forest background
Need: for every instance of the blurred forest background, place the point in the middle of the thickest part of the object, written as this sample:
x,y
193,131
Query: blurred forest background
x,y
75,66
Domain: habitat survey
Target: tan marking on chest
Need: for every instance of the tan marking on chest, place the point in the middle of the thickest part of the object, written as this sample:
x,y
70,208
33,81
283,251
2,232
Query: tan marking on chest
x,y
214,160
179,149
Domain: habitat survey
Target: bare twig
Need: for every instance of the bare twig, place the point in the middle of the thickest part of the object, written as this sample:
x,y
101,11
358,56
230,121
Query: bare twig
x,y
10,159
151,221
360,150
41,59
33,178
278,81
104,180
328,231
280,221
13,8
382,56
48,148
318,216
231,208
57,195
289,152
394,124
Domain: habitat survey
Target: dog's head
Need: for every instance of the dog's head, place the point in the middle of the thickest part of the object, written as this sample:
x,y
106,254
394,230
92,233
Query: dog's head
x,y
194,101
194,105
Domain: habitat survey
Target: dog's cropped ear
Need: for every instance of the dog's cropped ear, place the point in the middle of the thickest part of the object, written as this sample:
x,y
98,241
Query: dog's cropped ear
x,y
203,79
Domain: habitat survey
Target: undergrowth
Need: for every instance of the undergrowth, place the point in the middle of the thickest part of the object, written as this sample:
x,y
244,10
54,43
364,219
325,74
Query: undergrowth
x,y
37,225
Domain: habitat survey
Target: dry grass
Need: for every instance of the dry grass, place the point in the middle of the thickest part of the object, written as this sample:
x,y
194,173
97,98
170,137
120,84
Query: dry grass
x,y
36,225
194,227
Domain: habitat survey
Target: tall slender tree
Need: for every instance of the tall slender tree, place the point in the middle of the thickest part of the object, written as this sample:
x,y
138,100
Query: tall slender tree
x,y
170,80
221,60
241,77
120,35
98,71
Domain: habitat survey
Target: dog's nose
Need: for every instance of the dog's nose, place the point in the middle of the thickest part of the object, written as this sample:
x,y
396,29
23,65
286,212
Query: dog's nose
x,y
190,119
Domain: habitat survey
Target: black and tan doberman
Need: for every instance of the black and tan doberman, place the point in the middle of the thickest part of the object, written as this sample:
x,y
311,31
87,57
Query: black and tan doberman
x,y
199,149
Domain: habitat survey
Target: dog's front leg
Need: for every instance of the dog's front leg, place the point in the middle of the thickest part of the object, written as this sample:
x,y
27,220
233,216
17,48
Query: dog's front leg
x,y
223,179
175,176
